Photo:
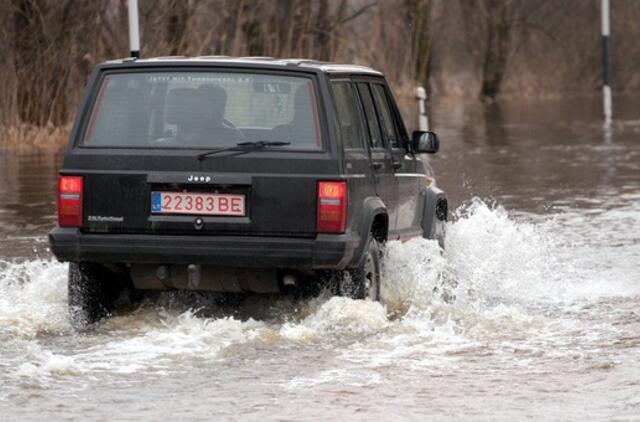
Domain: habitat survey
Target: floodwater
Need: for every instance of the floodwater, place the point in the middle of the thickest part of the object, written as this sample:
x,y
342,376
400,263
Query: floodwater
x,y
533,310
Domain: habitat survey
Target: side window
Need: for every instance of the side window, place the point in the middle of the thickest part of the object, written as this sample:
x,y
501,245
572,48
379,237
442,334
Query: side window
x,y
386,117
370,113
348,116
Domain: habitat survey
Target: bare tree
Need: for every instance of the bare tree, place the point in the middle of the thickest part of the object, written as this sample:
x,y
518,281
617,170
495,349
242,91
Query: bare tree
x,y
469,48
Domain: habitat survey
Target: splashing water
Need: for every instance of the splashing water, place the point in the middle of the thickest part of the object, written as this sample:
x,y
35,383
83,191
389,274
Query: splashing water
x,y
33,298
507,294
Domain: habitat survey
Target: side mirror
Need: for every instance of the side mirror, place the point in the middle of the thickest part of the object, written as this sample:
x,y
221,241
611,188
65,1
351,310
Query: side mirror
x,y
425,142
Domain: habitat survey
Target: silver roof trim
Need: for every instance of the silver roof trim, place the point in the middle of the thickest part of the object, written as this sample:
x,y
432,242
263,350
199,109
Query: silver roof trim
x,y
307,63
348,68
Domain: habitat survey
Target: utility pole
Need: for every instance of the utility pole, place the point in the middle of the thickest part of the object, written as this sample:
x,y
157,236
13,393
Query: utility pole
x,y
423,120
606,86
134,33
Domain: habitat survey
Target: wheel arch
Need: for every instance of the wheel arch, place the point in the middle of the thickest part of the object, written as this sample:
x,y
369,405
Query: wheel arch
x,y
374,224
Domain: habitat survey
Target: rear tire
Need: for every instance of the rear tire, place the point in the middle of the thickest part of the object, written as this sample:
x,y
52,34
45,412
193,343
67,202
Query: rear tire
x,y
363,282
93,292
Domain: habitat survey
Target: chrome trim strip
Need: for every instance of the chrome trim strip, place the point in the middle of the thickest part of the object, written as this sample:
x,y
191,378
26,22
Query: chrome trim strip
x,y
411,175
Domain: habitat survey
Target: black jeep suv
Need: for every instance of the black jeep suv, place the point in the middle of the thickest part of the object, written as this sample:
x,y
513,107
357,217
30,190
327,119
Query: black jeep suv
x,y
237,175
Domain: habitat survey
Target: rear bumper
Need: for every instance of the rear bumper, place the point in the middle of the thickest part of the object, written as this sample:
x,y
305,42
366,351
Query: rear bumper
x,y
322,252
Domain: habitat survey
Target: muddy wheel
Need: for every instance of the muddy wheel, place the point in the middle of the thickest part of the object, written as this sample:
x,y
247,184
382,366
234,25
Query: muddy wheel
x,y
93,293
363,282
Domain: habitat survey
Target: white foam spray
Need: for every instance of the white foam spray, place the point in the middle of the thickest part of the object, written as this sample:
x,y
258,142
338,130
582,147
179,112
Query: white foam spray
x,y
495,274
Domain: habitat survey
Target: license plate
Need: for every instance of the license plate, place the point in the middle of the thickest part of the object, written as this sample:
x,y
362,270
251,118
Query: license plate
x,y
198,203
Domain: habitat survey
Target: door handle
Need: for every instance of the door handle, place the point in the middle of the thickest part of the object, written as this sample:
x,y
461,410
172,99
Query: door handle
x,y
397,165
376,165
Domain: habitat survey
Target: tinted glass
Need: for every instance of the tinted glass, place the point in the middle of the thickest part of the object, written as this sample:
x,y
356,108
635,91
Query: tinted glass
x,y
203,109
386,117
349,124
370,113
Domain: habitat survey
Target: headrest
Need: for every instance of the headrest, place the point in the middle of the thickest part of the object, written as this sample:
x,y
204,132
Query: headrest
x,y
186,107
215,94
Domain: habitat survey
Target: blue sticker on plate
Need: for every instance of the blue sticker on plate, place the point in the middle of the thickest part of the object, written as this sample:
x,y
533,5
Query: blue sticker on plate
x,y
156,202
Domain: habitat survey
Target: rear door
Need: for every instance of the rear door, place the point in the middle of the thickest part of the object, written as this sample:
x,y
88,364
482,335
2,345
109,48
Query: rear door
x,y
381,160
402,161
139,145
352,136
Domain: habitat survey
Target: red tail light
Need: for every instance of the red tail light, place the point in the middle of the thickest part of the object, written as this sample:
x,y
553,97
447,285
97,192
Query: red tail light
x,y
70,201
332,207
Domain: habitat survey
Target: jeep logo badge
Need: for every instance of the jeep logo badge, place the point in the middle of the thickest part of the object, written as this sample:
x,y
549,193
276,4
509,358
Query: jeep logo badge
x,y
198,179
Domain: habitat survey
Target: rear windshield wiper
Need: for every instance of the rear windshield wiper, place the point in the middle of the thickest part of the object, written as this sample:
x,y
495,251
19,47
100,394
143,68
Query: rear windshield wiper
x,y
243,147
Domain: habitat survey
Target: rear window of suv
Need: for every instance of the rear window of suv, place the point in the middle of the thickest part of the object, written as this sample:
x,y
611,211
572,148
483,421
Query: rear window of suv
x,y
203,110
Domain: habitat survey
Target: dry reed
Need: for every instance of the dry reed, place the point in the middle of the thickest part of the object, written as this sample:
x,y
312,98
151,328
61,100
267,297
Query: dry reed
x,y
29,138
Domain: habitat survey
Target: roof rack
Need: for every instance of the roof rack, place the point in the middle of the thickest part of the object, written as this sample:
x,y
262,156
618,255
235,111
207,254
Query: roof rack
x,y
255,58
212,57
159,58
121,60
270,61
298,62
305,60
